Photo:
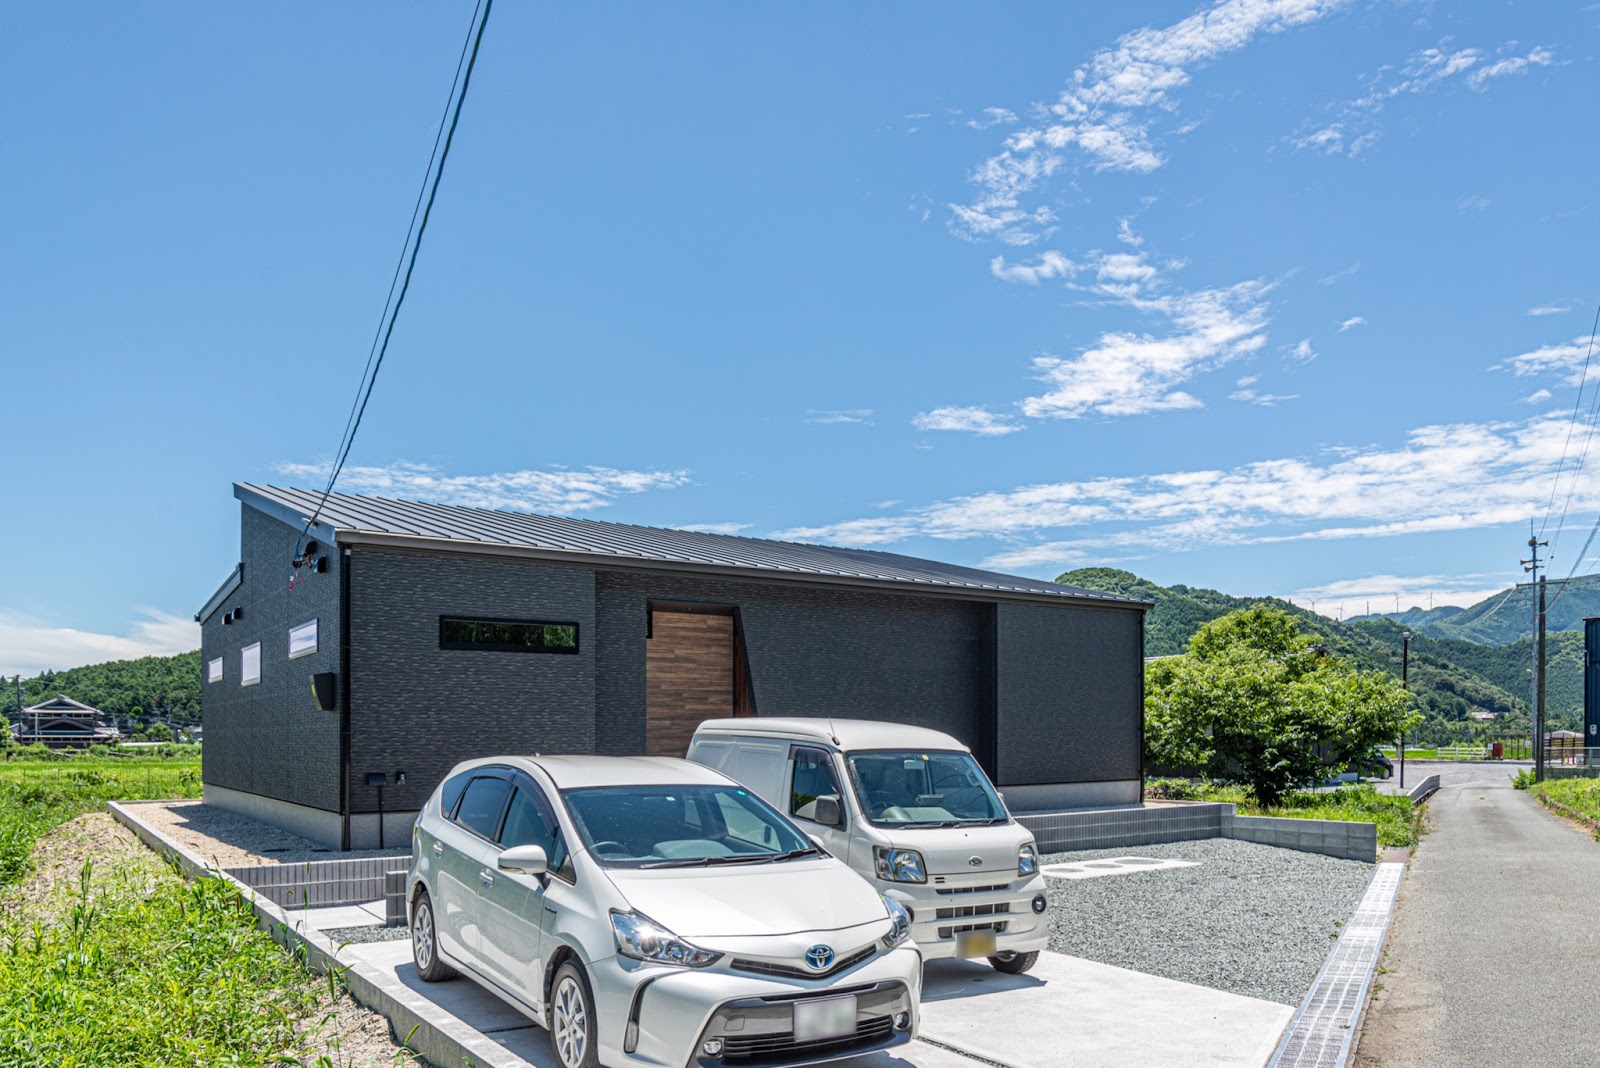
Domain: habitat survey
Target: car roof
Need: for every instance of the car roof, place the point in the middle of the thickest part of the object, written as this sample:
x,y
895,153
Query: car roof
x,y
571,772
846,734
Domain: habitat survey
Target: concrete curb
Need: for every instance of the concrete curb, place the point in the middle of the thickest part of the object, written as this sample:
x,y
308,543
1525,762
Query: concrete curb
x,y
1423,790
434,1035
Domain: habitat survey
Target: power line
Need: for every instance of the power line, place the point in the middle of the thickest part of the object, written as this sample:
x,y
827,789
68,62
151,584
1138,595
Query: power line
x,y
392,311
1594,413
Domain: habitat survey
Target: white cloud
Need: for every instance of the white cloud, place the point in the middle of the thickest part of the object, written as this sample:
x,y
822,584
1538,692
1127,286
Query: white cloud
x,y
32,646
1265,400
1475,203
1107,111
1550,309
1565,358
1049,265
975,420
836,416
558,490
1351,323
1348,598
1538,396
1355,128
993,117
713,528
1447,477
1126,235
1339,276
1302,351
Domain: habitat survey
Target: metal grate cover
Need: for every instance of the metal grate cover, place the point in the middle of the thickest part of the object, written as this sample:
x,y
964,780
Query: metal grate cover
x,y
1321,1034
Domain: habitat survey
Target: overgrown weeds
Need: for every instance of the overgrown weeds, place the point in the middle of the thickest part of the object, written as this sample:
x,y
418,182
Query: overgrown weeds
x,y
1398,819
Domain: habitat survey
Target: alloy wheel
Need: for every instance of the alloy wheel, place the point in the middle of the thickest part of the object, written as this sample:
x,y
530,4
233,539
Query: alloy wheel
x,y
422,935
571,1022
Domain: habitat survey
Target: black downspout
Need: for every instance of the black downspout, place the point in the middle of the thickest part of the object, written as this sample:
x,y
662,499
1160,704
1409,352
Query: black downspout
x,y
344,700
1141,708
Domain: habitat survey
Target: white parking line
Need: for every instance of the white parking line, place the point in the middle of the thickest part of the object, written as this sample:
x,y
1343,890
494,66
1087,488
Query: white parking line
x,y
1093,869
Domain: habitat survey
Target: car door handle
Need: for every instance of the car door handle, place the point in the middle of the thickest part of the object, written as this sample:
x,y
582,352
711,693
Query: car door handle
x,y
550,910
486,877
438,849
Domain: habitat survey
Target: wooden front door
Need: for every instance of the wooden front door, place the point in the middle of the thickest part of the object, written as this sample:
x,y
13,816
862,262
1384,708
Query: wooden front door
x,y
688,677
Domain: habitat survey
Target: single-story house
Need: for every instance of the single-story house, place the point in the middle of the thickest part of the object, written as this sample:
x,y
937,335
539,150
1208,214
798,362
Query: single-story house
x,y
347,667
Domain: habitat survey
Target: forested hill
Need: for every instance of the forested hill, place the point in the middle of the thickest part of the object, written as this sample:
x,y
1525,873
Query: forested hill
x,y
1450,678
1507,616
164,686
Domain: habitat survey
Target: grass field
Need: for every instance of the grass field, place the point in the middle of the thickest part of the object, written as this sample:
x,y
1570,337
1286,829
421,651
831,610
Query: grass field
x,y
1575,798
1397,818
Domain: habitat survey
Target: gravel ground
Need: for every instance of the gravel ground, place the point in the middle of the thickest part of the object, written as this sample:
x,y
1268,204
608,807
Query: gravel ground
x,y
229,840
353,935
1250,919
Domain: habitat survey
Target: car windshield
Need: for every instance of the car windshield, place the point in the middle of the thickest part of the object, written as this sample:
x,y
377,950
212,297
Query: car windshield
x,y
913,789
681,826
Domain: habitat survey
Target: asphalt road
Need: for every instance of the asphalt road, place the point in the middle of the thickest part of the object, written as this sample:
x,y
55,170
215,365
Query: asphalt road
x,y
1494,957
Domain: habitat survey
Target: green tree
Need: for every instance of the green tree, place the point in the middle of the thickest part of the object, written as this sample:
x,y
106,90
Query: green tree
x,y
160,732
1257,701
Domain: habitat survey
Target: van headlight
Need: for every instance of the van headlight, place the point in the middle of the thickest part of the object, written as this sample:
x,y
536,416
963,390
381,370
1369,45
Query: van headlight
x,y
1027,860
900,865
642,938
899,922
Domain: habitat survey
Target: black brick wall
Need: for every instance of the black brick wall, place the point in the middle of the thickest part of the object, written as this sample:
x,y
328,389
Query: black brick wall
x,y
812,652
269,738
421,709
1068,694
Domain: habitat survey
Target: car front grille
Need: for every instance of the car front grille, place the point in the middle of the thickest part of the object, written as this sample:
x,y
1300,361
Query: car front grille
x,y
971,889
781,1047
964,911
951,932
790,971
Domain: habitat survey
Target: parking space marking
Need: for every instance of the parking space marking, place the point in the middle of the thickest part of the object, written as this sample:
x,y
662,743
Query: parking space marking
x,y
1093,869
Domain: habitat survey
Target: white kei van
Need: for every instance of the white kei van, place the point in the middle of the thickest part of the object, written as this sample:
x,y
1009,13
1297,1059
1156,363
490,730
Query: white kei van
x,y
912,812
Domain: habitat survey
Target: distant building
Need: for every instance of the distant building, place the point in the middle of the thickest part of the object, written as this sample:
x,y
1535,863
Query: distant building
x,y
62,723
413,636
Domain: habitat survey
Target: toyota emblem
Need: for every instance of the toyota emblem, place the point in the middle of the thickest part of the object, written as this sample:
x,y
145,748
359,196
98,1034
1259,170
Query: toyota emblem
x,y
818,958
974,862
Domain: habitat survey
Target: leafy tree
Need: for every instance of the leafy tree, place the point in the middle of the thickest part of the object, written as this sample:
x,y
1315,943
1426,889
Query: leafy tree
x,y
1257,701
160,732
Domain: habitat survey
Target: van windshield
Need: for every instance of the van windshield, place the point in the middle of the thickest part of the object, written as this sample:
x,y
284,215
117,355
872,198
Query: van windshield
x,y
899,788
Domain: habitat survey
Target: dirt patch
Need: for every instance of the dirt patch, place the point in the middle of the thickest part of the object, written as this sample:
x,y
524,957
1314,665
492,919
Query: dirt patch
x,y
58,859
350,1036
228,840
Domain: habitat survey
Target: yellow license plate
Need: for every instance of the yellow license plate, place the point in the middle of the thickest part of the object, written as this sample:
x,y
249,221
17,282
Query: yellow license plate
x,y
975,944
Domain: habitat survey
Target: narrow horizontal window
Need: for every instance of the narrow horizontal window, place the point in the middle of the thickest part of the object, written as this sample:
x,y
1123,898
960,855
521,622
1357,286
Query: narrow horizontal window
x,y
250,665
507,635
303,639
214,670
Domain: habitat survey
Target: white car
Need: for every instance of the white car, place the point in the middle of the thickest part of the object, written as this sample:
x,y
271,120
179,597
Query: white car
x,y
652,911
912,812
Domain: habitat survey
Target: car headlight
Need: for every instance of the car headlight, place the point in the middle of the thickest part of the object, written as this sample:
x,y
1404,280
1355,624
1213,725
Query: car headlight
x,y
1027,860
900,865
642,938
899,920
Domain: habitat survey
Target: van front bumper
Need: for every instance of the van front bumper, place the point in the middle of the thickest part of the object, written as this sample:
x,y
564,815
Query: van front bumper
x,y
650,1015
940,916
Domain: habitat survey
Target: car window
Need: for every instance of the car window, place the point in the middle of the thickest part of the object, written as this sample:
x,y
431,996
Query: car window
x,y
451,793
813,778
651,826
530,821
481,805
743,825
898,788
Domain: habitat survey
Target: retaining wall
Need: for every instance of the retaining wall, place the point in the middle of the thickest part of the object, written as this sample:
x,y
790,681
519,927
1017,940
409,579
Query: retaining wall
x,y
322,883
1059,832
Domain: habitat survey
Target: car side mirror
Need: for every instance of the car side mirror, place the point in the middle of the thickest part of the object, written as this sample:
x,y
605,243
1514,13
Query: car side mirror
x,y
828,812
527,859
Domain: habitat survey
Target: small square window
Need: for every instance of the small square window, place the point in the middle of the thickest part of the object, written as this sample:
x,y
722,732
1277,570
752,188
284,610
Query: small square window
x,y
303,639
214,670
250,665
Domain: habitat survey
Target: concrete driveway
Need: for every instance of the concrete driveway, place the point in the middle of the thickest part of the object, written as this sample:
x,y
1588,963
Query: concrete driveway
x,y
1066,1011
1494,957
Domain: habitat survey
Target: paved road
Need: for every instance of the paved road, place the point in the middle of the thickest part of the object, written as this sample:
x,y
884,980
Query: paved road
x,y
1494,958
1453,772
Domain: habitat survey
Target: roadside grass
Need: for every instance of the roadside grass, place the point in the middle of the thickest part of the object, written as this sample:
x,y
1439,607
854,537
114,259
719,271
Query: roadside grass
x,y
1577,799
1399,821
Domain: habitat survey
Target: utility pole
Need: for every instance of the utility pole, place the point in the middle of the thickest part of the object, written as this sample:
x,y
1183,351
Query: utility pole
x,y
1536,703
1405,684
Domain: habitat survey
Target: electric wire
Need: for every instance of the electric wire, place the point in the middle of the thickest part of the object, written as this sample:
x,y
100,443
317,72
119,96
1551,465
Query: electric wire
x,y
1594,414
393,302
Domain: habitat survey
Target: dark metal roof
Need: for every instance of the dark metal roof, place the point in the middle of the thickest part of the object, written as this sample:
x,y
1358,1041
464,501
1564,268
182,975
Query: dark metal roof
x,y
351,519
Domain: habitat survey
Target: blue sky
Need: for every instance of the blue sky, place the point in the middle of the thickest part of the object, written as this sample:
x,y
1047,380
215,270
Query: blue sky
x,y
1274,297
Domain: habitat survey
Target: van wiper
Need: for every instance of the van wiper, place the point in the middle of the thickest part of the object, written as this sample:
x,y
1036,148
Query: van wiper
x,y
704,862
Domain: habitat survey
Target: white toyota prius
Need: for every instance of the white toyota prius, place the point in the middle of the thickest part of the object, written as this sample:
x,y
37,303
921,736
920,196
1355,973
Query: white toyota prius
x,y
650,911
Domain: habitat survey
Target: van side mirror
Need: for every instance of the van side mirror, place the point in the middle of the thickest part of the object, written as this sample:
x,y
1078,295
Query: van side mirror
x,y
527,859
828,812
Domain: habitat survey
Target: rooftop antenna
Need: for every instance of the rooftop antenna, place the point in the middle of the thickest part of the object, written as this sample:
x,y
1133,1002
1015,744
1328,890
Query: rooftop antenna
x,y
831,735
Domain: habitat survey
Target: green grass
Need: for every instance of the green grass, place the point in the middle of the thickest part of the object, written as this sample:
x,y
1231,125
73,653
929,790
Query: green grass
x,y
1570,797
37,795
1397,818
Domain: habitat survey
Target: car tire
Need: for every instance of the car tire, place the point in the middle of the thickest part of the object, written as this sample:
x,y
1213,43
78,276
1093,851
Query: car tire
x,y
425,942
570,1019
1014,963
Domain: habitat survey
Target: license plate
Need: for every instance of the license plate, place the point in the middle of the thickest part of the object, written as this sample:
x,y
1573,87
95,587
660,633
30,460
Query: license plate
x,y
975,944
829,1018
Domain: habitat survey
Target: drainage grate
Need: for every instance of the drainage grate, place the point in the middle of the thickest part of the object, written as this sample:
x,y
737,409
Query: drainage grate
x,y
1323,1030
1090,869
